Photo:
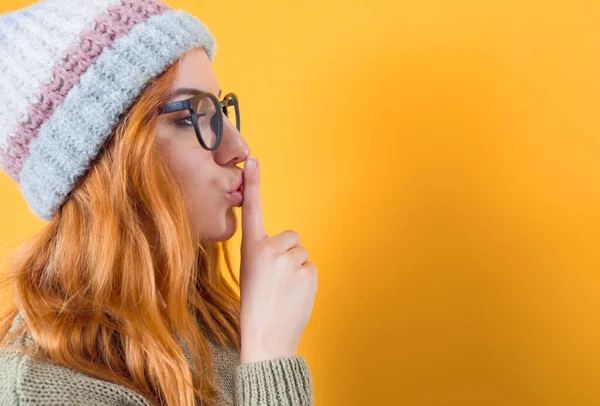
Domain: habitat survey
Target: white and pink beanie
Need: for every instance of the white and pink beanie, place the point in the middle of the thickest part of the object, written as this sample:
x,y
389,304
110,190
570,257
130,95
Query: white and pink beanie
x,y
68,70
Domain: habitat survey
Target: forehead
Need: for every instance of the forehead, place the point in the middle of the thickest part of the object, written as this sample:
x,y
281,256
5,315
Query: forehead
x,y
195,71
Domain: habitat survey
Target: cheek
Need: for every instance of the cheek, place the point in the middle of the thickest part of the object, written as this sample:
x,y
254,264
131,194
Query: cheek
x,y
197,178
201,181
196,172
205,204
201,187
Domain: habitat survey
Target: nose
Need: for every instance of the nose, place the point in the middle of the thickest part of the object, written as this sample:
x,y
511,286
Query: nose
x,y
233,148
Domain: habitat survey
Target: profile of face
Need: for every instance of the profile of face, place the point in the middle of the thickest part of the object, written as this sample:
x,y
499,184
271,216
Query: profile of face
x,y
207,177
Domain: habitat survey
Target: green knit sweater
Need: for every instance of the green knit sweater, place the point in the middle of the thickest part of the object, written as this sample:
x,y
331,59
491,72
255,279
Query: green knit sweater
x,y
28,381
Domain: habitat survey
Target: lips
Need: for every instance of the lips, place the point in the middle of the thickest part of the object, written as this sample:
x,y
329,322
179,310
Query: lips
x,y
239,187
237,195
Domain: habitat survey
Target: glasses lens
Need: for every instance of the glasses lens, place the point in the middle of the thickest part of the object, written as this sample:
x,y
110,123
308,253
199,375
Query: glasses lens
x,y
231,110
208,122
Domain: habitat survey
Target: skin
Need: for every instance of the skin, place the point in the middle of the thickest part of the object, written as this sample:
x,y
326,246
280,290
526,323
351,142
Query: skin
x,y
277,282
206,176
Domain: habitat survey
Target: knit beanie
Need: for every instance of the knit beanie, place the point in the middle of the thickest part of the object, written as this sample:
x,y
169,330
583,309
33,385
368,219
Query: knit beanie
x,y
69,69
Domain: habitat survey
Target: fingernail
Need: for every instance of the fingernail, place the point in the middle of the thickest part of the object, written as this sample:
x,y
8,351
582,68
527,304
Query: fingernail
x,y
250,163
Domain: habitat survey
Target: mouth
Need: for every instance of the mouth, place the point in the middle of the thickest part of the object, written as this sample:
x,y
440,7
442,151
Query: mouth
x,y
237,196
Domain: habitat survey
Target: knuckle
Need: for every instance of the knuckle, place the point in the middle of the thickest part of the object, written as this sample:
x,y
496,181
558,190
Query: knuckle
x,y
270,249
310,269
293,233
313,282
299,252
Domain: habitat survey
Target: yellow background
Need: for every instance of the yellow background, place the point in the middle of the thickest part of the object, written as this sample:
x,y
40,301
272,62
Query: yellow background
x,y
440,160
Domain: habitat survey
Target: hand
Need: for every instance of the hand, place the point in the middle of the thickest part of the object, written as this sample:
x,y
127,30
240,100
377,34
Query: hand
x,y
277,283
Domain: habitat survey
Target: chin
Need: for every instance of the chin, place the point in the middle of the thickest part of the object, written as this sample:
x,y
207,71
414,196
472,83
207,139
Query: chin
x,y
222,230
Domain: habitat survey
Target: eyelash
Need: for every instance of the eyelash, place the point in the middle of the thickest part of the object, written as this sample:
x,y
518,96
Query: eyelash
x,y
183,121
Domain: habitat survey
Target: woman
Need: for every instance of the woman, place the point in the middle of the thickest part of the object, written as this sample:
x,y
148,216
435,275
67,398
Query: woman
x,y
111,126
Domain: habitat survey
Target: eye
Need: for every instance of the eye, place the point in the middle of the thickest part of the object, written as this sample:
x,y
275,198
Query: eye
x,y
187,121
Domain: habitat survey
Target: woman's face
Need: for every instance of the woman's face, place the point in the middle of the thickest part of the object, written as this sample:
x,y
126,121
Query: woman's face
x,y
206,177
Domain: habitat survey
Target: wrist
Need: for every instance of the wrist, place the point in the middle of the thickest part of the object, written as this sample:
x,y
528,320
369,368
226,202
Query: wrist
x,y
252,355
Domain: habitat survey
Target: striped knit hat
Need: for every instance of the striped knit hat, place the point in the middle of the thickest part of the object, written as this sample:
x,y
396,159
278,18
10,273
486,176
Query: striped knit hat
x,y
68,70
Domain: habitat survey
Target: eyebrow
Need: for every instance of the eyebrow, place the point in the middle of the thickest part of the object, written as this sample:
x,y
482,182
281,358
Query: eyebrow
x,y
188,91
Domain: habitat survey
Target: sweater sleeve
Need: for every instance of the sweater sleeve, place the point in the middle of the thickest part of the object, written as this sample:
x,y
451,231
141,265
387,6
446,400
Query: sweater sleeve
x,y
8,379
25,381
280,381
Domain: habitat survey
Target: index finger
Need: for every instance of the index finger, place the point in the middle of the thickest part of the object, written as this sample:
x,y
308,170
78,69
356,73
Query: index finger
x,y
253,228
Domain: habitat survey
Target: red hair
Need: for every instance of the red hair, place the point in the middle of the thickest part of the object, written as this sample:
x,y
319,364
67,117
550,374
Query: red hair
x,y
117,276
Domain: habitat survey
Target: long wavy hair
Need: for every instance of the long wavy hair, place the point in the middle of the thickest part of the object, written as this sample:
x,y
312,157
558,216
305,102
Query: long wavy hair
x,y
117,277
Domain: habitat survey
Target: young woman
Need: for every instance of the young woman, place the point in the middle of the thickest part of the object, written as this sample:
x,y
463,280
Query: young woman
x,y
113,124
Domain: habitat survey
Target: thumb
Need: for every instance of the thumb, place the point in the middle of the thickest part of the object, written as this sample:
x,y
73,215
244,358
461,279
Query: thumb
x,y
253,228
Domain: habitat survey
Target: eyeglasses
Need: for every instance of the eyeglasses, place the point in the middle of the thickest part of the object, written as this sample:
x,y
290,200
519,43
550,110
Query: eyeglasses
x,y
207,124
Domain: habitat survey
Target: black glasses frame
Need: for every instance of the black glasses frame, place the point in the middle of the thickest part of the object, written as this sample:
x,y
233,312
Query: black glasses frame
x,y
216,122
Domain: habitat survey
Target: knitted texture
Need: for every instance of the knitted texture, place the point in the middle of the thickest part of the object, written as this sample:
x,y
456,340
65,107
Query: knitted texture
x,y
28,381
282,381
69,69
